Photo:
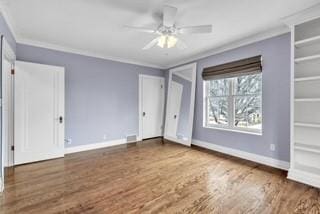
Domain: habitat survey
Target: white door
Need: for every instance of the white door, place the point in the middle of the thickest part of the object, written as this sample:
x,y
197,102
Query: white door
x,y
38,112
7,112
152,106
174,108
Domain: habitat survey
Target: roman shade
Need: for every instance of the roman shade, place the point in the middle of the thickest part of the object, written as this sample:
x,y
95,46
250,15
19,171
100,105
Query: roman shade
x,y
237,68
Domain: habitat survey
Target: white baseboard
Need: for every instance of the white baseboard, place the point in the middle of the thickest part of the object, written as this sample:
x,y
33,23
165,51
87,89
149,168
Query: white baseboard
x,y
244,155
93,146
1,185
304,177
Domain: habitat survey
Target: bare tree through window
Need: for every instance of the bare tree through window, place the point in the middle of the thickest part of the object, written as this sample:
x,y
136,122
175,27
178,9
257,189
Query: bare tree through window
x,y
234,102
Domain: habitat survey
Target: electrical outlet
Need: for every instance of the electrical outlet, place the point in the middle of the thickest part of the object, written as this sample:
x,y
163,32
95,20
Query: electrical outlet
x,y
272,147
68,141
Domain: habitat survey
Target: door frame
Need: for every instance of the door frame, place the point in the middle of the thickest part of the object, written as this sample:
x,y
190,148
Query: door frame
x,y
141,76
8,54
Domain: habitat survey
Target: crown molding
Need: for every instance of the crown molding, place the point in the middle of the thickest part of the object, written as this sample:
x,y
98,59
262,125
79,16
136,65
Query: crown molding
x,y
84,53
239,43
242,42
19,39
303,16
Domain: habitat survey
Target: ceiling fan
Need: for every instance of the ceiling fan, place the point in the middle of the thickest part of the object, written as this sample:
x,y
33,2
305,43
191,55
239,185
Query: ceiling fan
x,y
167,31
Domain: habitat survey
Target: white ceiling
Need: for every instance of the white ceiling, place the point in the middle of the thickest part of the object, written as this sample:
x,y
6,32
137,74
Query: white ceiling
x,y
95,27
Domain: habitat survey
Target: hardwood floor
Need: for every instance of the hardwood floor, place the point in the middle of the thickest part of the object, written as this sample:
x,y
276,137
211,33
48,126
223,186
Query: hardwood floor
x,y
150,177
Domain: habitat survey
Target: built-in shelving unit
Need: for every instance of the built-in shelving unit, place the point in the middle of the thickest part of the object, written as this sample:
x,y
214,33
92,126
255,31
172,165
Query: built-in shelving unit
x,y
305,97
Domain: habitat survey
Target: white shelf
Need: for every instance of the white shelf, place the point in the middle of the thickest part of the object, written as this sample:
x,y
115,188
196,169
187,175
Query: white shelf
x,y
307,58
309,169
305,149
308,41
307,145
309,125
307,100
307,79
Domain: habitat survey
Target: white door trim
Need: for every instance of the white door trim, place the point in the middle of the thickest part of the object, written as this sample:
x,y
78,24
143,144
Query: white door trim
x,y
9,55
8,52
141,76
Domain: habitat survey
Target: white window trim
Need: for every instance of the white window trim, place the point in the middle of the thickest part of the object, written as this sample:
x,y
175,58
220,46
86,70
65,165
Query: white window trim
x,y
231,127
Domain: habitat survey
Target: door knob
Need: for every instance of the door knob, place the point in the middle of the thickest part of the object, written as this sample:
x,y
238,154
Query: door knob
x,y
175,116
143,114
60,119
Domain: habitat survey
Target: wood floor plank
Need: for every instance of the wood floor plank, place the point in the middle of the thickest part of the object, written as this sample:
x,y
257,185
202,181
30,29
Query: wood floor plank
x,y
151,177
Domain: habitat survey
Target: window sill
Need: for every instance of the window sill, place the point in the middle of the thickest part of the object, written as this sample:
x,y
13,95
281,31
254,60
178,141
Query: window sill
x,y
257,133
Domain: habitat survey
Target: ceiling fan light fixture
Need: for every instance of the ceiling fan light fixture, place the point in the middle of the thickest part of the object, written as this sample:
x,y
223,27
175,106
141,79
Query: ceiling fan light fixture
x,y
172,41
162,41
167,41
167,31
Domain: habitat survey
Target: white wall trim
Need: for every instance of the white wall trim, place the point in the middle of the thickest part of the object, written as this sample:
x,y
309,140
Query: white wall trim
x,y
8,52
244,155
236,44
303,16
21,40
215,50
1,185
304,177
85,53
9,55
82,148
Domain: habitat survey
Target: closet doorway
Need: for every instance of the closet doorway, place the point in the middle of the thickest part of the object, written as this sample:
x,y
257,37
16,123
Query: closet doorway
x,y
151,106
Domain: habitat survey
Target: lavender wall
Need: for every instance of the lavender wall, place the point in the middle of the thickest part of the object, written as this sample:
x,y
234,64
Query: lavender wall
x,y
185,106
101,95
275,100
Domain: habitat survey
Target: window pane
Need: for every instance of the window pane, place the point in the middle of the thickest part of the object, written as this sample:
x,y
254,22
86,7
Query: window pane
x,y
248,112
217,113
218,87
248,85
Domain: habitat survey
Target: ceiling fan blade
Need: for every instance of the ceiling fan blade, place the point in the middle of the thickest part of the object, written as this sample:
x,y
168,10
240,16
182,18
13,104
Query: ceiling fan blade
x,y
140,29
151,44
169,15
195,29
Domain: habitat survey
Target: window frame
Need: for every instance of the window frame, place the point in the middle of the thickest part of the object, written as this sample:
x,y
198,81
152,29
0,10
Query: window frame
x,y
231,109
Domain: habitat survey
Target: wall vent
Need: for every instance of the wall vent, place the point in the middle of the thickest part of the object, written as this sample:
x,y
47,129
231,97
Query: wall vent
x,y
131,138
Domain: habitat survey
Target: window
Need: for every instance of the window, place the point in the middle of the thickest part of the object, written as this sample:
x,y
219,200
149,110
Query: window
x,y
234,103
